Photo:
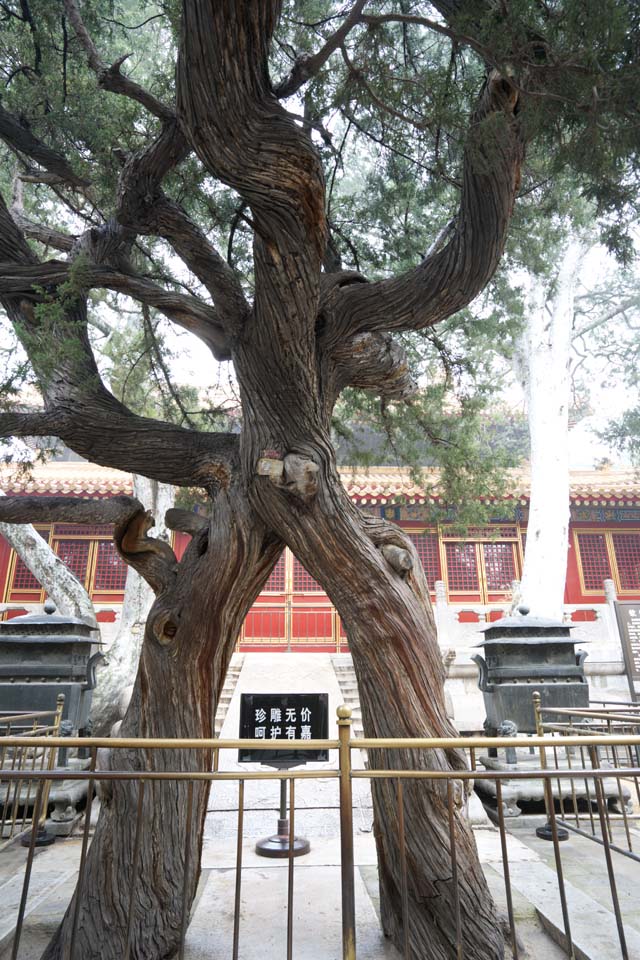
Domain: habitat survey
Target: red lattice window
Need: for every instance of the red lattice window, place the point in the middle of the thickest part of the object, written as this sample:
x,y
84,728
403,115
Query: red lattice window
x,y
499,565
462,567
594,560
75,556
303,582
427,546
276,582
627,551
23,579
111,570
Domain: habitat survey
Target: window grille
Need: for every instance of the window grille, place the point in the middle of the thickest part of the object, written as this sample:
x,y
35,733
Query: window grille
x,y
462,568
75,556
427,546
82,530
493,531
499,566
303,582
111,570
594,559
23,579
627,552
277,580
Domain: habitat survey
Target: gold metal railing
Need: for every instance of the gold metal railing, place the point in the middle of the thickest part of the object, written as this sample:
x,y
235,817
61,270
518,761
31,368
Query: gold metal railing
x,y
19,761
345,774
622,806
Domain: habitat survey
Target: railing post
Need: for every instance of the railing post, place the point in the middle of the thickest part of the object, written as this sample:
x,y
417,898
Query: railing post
x,y
346,837
550,830
53,753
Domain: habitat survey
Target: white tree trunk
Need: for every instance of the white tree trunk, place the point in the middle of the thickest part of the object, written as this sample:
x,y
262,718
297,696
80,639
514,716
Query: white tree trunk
x,y
66,591
117,674
543,364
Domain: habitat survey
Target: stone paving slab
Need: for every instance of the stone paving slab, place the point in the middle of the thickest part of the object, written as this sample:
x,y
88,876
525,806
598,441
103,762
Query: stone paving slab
x,y
317,931
593,927
221,855
51,869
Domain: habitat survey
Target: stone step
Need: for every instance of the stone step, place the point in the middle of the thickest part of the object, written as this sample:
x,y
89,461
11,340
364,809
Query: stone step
x,y
593,927
53,867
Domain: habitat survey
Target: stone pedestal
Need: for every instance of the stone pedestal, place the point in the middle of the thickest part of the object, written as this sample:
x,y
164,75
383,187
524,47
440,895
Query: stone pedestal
x,y
516,792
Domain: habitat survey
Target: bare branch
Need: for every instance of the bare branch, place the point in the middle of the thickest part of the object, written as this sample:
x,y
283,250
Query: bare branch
x,y
199,318
153,559
19,424
198,253
46,235
20,138
307,66
68,509
110,435
185,521
110,78
464,38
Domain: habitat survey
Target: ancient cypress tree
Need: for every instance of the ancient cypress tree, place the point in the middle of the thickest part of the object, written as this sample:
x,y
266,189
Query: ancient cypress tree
x,y
298,329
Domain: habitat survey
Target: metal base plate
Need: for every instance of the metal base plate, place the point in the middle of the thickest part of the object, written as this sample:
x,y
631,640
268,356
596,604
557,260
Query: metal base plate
x,y
278,847
43,839
545,833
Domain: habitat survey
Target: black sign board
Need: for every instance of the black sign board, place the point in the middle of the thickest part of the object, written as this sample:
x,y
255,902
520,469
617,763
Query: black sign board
x,y
282,717
628,616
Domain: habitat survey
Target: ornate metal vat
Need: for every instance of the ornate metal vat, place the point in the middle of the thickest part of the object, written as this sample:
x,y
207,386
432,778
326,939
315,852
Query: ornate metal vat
x,y
523,654
43,655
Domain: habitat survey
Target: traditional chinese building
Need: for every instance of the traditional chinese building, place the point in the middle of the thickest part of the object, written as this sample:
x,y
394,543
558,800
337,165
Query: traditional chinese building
x,y
471,577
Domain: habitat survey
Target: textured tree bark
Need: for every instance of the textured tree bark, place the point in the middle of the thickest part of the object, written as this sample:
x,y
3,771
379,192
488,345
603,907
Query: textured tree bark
x,y
392,637
189,640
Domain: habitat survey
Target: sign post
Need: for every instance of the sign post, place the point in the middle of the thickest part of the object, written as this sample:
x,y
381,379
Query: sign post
x,y
280,718
628,617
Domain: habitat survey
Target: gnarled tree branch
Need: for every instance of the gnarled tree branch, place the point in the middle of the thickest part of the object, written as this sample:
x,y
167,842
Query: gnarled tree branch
x,y
44,234
153,559
20,138
68,510
110,435
453,273
185,521
307,66
110,78
201,319
374,362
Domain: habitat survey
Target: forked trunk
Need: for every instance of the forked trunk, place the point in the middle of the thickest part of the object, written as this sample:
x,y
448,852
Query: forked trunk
x,y
392,637
190,636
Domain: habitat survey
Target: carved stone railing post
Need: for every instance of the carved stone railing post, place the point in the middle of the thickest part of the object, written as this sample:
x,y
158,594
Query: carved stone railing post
x,y
611,596
440,610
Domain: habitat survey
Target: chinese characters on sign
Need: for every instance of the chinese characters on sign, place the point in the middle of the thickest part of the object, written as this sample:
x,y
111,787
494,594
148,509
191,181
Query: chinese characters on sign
x,y
628,615
283,717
